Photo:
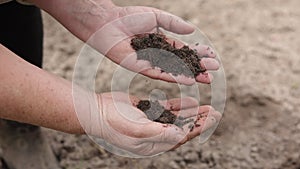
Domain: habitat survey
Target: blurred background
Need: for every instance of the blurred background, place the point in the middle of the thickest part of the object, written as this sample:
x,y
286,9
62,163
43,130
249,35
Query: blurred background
x,y
259,44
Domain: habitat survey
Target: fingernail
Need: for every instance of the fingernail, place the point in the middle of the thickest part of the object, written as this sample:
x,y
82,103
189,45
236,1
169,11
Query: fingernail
x,y
209,122
210,64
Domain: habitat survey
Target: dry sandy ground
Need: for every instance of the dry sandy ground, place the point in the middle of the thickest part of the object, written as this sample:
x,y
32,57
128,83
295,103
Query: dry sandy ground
x,y
259,44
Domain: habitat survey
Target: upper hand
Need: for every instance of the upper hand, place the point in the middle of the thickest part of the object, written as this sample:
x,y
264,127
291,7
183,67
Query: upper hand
x,y
111,31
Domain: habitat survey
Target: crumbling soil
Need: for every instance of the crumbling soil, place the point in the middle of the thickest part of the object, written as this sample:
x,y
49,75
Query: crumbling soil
x,y
183,61
156,112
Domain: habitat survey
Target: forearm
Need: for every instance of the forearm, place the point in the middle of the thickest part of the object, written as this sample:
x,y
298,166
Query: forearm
x,y
87,15
31,95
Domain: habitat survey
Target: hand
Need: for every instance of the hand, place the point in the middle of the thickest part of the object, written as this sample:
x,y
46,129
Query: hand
x,y
113,40
121,124
109,29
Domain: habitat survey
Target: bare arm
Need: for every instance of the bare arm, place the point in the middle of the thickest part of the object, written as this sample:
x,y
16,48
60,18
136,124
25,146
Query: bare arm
x,y
81,17
29,94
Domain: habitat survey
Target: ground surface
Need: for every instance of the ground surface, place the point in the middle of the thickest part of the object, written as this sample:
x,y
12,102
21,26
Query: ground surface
x,y
259,44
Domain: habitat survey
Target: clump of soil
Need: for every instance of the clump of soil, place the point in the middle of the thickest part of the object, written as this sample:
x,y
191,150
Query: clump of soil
x,y
183,61
156,112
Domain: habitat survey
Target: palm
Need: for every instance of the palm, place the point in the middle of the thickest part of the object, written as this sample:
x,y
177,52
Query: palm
x,y
126,127
113,39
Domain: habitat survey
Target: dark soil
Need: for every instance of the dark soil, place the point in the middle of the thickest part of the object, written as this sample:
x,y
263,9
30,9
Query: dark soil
x,y
183,61
156,112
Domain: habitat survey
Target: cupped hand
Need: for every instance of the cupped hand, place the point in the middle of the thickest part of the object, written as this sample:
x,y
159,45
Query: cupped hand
x,y
121,124
111,31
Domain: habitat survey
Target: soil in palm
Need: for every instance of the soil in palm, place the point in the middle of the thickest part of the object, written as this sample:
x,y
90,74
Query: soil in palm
x,y
155,48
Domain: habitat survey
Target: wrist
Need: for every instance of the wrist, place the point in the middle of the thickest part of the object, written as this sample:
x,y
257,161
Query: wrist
x,y
89,15
87,111
80,17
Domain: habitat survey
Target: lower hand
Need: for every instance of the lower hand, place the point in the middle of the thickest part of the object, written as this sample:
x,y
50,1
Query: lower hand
x,y
120,123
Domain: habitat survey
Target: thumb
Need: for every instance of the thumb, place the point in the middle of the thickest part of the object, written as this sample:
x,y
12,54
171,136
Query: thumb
x,y
167,139
172,23
167,133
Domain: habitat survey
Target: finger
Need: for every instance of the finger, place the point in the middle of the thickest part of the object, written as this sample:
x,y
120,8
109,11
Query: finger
x,y
173,23
217,115
203,124
120,97
171,137
179,103
168,77
194,129
204,78
176,43
144,68
187,113
204,50
168,133
209,64
168,138
194,133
